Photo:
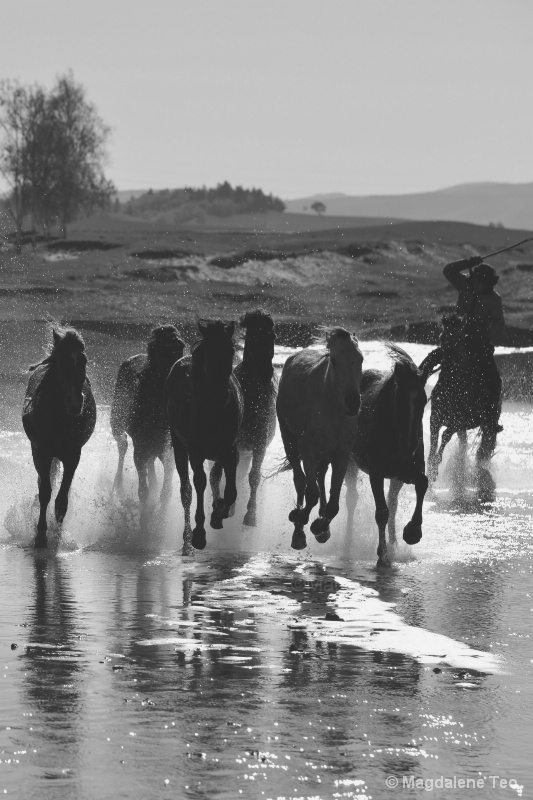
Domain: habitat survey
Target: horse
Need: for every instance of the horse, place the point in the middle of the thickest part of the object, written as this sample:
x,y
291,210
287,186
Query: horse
x,y
461,399
59,417
389,444
204,406
259,385
317,406
137,410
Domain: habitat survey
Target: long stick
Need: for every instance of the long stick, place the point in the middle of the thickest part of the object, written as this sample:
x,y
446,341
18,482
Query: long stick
x,y
510,247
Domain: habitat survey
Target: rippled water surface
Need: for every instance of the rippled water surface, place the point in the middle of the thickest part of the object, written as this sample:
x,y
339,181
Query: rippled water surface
x,y
252,670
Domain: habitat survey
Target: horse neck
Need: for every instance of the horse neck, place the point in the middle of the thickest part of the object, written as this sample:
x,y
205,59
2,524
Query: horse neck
x,y
257,361
213,393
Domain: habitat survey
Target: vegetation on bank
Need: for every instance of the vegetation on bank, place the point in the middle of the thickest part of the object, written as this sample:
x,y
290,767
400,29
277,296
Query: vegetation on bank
x,y
189,204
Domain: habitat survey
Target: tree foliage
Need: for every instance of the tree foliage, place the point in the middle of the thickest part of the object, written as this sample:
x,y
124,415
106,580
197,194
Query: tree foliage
x,y
52,151
319,207
190,203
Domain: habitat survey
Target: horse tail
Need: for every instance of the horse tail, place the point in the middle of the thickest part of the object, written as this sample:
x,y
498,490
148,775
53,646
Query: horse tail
x,y
283,466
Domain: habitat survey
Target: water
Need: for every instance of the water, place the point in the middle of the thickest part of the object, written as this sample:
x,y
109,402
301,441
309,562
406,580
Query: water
x,y
130,671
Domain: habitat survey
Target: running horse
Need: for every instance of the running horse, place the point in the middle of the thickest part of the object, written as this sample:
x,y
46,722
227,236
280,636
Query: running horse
x,y
389,444
317,406
204,406
460,400
259,385
59,416
137,410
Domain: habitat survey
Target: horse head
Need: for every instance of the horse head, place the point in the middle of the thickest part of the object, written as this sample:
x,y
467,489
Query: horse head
x,y
409,400
345,367
213,356
259,343
69,359
164,348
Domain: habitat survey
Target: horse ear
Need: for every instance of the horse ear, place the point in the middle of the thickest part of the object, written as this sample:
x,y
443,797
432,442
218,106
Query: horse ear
x,y
56,336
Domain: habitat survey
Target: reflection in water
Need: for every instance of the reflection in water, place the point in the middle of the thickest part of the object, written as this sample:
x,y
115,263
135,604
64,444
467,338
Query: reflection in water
x,y
53,663
257,669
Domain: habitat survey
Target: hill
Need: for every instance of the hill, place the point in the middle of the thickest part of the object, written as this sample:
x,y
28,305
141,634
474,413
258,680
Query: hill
x,y
481,203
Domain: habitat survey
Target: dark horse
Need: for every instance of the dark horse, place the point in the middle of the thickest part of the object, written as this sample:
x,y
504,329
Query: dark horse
x,y
259,386
59,415
204,406
461,399
389,444
138,410
318,405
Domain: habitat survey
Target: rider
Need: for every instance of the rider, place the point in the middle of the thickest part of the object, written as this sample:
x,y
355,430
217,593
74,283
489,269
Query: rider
x,y
480,308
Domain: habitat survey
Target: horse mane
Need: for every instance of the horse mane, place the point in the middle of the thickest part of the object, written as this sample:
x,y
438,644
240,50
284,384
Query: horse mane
x,y
328,332
256,316
164,337
64,340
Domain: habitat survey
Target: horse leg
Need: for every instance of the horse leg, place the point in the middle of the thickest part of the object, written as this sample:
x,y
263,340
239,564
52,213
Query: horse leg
x,y
433,463
152,477
141,460
321,478
395,486
166,489
122,446
312,493
320,525
200,482
412,533
446,436
43,464
181,460
254,478
382,516
69,468
487,446
293,457
222,508
352,472
215,477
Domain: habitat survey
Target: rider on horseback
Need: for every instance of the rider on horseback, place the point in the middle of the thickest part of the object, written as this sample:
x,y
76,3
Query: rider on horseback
x,y
481,312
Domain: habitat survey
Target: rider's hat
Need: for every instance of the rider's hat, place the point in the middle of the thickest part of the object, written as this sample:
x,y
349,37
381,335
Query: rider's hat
x,y
486,273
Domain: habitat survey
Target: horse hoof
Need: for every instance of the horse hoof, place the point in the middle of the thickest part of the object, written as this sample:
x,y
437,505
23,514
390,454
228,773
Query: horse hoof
x,y
299,542
294,515
320,525
198,539
40,541
231,512
216,521
250,519
412,533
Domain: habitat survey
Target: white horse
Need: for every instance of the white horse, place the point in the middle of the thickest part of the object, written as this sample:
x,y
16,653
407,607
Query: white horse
x,y
317,406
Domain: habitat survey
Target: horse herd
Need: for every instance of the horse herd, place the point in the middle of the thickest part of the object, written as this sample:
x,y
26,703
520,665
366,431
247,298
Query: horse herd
x,y
201,407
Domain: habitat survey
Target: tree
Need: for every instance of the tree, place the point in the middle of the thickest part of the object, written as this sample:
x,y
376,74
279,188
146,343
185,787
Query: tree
x,y
52,150
18,105
79,183
319,207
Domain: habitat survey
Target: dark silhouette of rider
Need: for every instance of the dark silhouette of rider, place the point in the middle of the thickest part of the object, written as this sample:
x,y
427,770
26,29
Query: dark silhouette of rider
x,y
481,312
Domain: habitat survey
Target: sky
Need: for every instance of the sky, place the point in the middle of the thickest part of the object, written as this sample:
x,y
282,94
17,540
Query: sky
x,y
296,97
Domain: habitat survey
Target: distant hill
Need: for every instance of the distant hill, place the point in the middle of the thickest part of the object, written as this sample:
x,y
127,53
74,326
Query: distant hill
x,y
509,204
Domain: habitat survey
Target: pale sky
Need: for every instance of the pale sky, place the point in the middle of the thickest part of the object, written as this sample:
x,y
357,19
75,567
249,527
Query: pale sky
x,y
296,97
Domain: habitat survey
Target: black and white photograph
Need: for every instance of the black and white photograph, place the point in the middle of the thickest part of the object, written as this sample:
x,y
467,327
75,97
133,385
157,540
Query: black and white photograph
x,y
266,399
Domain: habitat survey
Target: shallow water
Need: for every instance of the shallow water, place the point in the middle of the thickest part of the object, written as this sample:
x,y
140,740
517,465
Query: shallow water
x,y
131,671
